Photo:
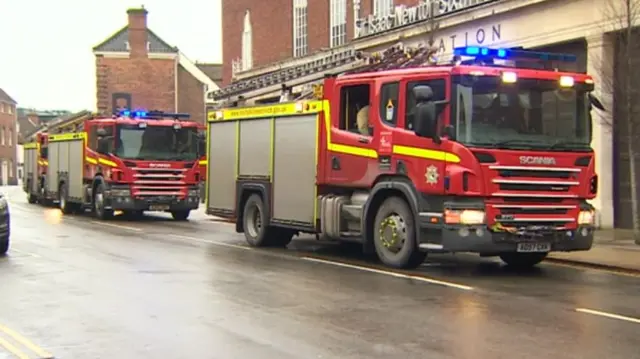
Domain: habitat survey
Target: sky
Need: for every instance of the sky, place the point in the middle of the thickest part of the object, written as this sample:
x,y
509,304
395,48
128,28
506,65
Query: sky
x,y
46,59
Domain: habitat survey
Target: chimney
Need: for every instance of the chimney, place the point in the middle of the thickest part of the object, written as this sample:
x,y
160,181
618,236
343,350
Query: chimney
x,y
137,32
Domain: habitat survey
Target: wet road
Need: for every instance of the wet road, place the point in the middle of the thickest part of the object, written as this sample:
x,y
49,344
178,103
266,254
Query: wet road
x,y
77,288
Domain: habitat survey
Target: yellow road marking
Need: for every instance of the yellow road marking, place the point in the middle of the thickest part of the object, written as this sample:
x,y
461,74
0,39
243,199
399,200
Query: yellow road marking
x,y
117,226
608,315
390,273
13,349
26,342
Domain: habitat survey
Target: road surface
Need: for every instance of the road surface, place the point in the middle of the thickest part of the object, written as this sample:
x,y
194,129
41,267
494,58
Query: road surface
x,y
73,287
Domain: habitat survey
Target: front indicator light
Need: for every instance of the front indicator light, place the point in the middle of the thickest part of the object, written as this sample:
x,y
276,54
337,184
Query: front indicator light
x,y
465,216
586,218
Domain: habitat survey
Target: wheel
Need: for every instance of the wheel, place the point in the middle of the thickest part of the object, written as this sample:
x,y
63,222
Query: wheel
x,y
180,215
98,204
394,235
63,198
522,260
258,235
44,201
4,245
32,198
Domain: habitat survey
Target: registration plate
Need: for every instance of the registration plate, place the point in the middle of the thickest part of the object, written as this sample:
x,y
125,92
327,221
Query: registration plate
x,y
158,207
534,247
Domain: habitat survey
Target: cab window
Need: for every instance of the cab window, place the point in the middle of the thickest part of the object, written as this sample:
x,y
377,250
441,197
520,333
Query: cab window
x,y
354,109
439,94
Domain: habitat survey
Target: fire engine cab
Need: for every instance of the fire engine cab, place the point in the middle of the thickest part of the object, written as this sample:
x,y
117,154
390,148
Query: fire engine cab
x,y
133,161
488,153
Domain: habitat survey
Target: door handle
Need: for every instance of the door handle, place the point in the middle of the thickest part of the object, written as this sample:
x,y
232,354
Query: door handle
x,y
335,163
363,140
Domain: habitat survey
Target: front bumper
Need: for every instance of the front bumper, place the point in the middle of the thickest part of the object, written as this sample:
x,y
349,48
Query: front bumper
x,y
480,239
120,200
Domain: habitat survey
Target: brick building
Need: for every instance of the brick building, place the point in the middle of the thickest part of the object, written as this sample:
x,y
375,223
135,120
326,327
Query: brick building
x,y
281,29
136,69
8,139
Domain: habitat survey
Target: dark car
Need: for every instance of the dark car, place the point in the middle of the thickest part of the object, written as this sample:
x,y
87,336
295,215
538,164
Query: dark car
x,y
5,227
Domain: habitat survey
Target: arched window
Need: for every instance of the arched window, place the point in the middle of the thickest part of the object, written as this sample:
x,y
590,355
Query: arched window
x,y
247,43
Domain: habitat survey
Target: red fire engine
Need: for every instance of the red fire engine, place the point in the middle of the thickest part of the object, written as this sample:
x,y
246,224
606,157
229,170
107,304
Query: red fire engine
x,y
489,153
133,162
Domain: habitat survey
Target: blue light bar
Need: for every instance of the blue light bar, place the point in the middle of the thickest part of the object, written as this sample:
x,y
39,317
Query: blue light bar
x,y
512,54
152,115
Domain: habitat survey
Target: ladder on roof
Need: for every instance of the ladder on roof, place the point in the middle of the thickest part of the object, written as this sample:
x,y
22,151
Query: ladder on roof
x,y
347,61
394,58
398,57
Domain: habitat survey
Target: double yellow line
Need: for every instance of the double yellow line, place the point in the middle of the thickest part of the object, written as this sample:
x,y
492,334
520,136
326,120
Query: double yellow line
x,y
18,338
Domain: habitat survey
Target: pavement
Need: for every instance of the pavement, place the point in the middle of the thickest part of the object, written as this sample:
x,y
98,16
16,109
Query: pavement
x,y
74,287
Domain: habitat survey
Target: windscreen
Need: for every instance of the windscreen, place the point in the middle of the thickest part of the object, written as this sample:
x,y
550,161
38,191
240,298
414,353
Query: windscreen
x,y
528,113
157,143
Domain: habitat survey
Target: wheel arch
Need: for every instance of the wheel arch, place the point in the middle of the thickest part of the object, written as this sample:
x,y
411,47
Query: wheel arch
x,y
244,190
385,187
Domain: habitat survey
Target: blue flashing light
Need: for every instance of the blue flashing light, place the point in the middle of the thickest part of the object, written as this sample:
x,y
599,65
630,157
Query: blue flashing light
x,y
152,115
514,54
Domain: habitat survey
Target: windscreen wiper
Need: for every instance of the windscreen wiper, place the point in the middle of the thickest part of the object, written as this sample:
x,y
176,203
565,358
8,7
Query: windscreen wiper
x,y
568,144
513,142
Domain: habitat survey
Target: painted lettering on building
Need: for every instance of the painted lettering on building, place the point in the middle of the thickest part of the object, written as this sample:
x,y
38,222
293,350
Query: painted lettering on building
x,y
403,16
485,35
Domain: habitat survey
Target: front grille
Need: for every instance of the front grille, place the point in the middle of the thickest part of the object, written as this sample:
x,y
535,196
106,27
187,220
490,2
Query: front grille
x,y
510,172
534,187
520,210
534,182
158,182
527,216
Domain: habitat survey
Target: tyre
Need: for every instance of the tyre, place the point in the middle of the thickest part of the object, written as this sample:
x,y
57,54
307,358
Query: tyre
x,y
522,260
4,246
42,198
32,198
394,235
98,204
63,198
257,234
181,215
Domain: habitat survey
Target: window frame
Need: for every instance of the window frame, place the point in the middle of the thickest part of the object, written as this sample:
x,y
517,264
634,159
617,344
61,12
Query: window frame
x,y
342,110
300,28
382,7
337,23
408,86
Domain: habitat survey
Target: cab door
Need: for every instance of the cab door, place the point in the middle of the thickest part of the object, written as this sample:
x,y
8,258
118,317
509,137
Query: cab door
x,y
422,159
352,150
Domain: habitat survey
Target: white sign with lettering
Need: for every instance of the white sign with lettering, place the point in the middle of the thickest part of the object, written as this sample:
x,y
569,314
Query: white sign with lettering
x,y
402,15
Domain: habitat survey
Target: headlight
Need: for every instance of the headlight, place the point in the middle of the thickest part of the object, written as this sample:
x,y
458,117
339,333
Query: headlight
x,y
465,216
586,217
3,205
120,193
194,193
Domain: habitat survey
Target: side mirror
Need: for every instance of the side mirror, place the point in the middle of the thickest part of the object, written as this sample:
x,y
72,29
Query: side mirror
x,y
450,132
595,102
103,146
